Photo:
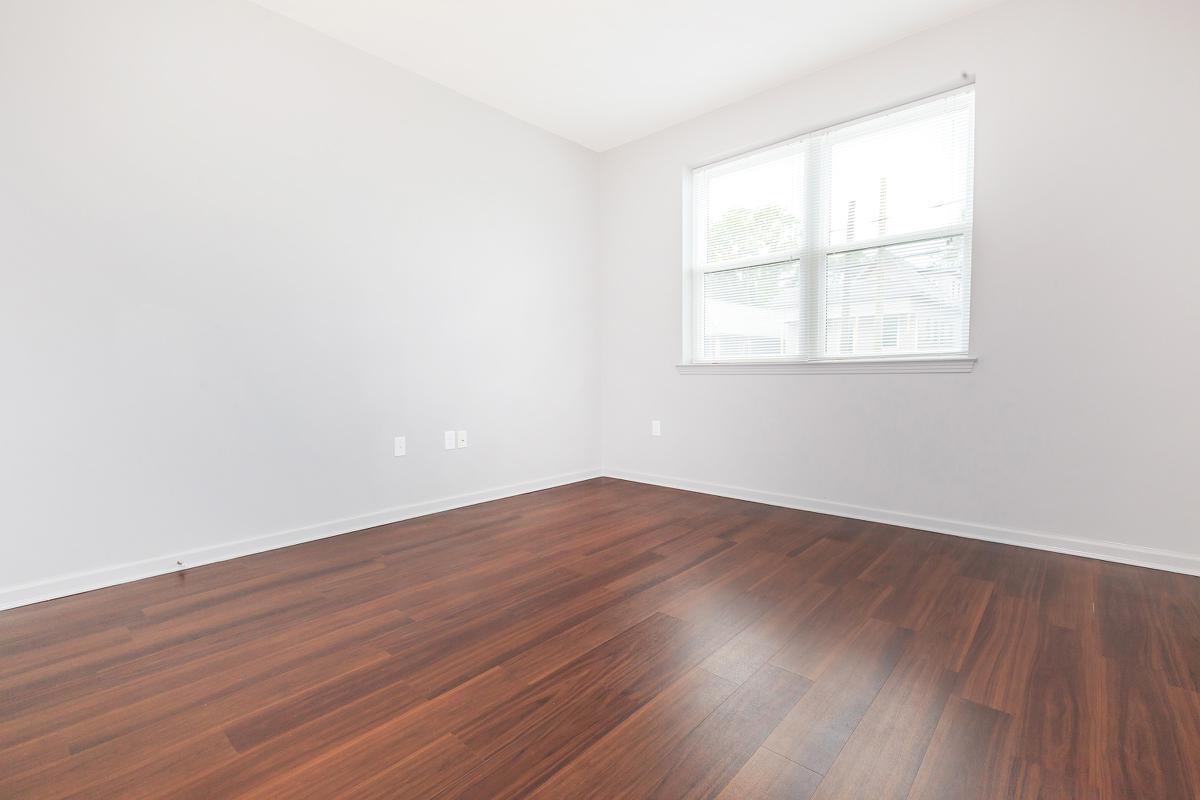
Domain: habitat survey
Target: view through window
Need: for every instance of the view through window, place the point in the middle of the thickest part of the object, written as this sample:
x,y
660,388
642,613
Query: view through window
x,y
852,242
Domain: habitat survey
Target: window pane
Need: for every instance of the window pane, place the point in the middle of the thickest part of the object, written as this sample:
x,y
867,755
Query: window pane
x,y
896,176
849,242
752,208
906,298
752,312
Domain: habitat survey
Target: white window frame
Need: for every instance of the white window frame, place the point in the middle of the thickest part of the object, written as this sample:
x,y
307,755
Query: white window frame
x,y
813,260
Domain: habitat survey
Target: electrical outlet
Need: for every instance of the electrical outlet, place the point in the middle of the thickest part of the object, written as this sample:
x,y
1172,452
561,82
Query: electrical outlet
x,y
462,438
399,447
451,439
655,427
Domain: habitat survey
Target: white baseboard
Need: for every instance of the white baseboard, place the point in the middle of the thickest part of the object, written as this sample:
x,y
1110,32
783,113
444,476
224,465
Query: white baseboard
x,y
1168,560
63,585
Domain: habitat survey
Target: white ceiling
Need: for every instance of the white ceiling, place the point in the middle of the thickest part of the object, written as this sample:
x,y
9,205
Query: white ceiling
x,y
605,72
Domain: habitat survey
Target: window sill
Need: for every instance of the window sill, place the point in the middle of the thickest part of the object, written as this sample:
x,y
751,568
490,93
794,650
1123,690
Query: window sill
x,y
846,366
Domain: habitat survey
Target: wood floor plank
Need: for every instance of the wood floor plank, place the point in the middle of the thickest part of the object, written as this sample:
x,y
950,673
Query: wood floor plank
x,y
729,599
814,732
175,681
1031,781
617,764
832,624
157,776
1000,663
294,711
1185,710
770,776
1069,593
613,639
709,757
124,739
1174,619
1062,717
882,756
911,603
759,642
443,654
953,624
559,718
1148,755
342,749
969,755
644,596
1016,572
425,773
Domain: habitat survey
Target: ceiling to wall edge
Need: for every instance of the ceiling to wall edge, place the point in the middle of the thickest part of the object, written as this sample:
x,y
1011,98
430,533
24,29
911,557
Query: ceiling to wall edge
x,y
810,72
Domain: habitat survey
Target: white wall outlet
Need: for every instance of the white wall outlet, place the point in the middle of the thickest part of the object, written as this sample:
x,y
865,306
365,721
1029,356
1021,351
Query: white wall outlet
x,y
451,440
655,427
462,438
399,447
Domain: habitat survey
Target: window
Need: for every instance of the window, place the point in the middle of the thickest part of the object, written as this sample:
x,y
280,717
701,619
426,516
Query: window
x,y
850,243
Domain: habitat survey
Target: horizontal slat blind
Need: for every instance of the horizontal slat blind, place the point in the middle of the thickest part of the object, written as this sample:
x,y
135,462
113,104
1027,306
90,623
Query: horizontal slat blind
x,y
752,312
903,298
850,242
755,210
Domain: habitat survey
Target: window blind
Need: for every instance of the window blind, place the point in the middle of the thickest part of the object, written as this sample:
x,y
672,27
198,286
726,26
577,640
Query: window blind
x,y
849,242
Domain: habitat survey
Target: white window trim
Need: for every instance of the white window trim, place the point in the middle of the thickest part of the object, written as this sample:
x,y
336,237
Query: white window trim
x,y
849,366
953,362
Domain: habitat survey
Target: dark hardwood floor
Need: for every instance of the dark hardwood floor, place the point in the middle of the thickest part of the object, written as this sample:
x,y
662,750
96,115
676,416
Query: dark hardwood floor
x,y
610,639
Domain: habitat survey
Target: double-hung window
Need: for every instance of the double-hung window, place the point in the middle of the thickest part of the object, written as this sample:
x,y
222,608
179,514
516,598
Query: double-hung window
x,y
851,243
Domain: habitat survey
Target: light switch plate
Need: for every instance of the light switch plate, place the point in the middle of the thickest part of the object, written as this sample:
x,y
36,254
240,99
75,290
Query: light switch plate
x,y
462,438
400,447
655,427
450,440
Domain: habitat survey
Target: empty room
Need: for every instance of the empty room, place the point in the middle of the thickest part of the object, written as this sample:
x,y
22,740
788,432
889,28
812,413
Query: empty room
x,y
565,400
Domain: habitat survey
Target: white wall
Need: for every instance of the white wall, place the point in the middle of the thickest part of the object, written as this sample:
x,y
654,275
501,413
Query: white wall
x,y
1080,420
236,259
